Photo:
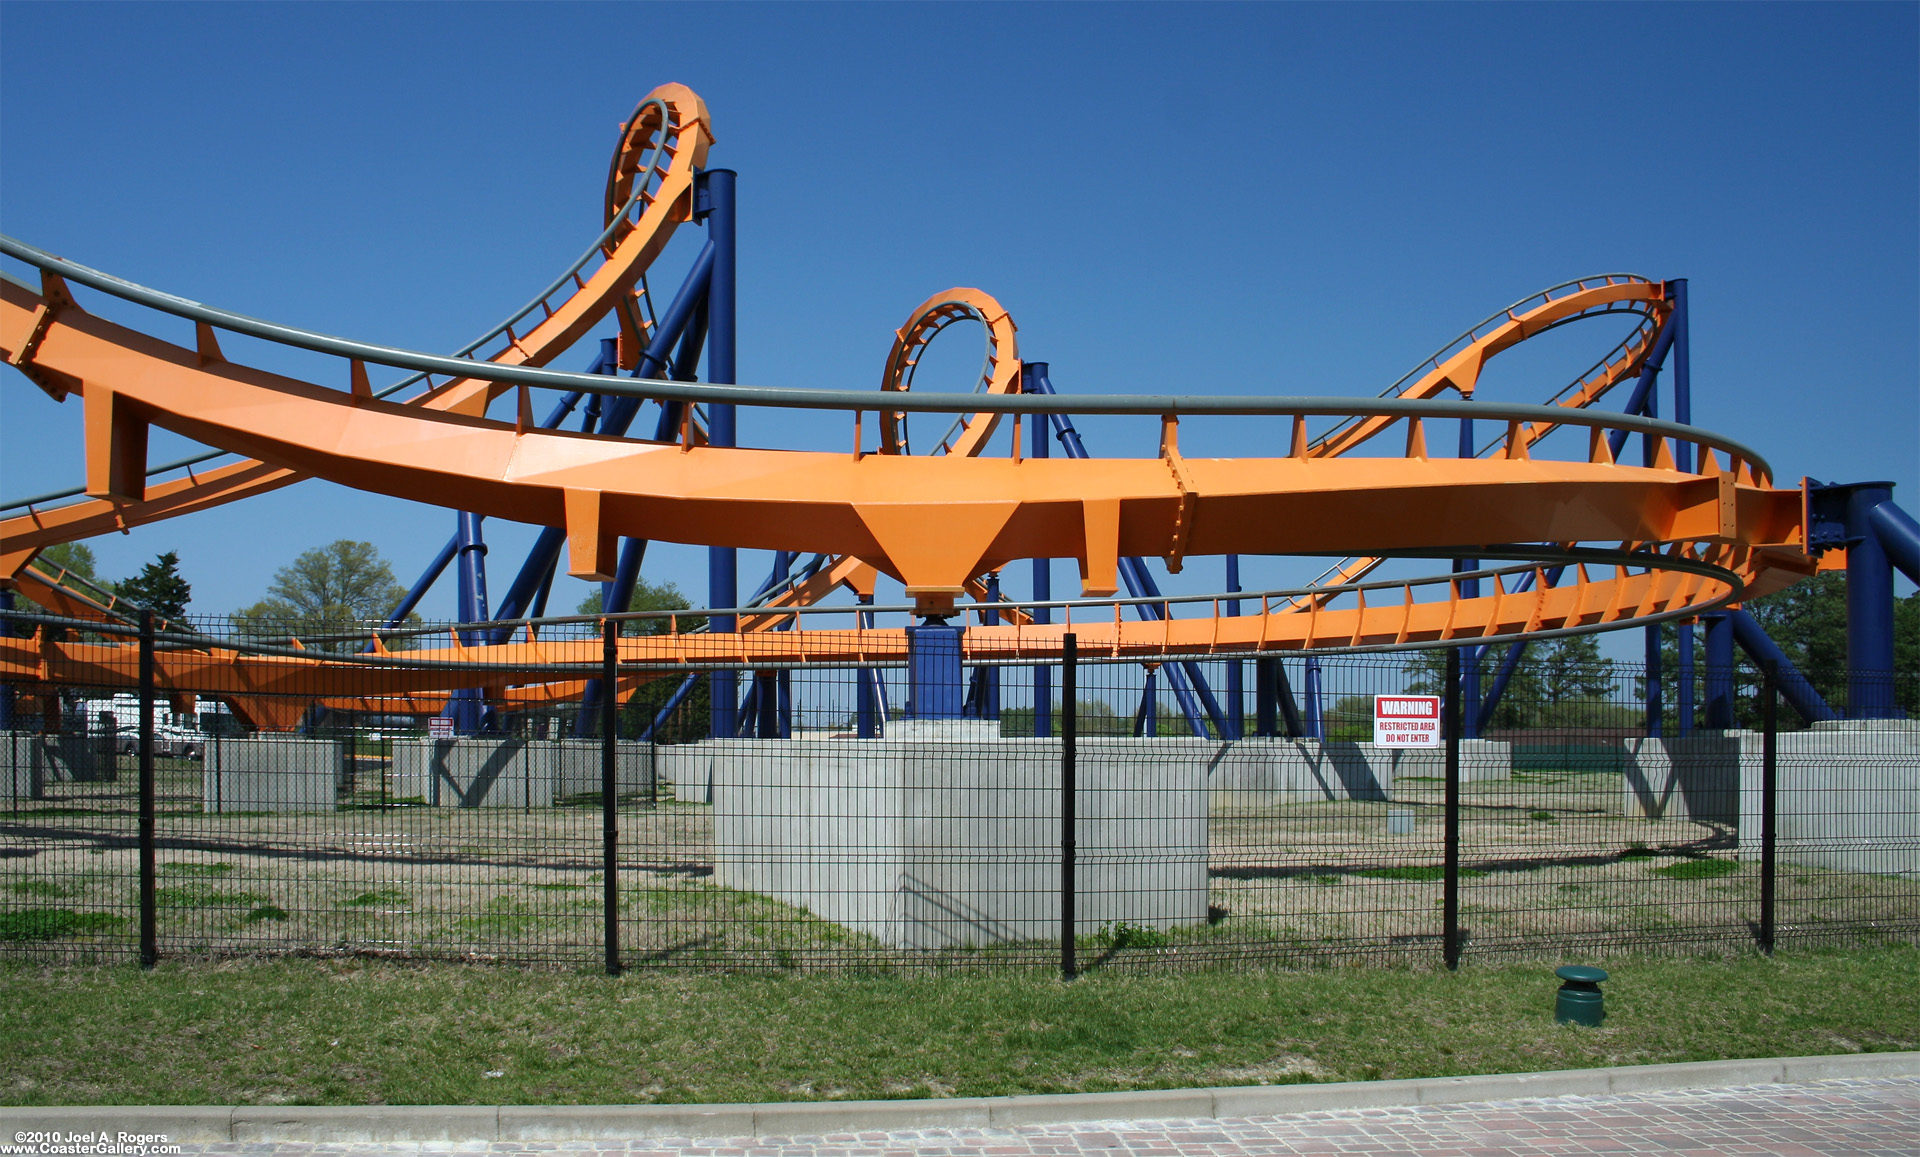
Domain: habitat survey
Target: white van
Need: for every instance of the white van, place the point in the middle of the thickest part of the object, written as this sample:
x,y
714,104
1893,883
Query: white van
x,y
176,736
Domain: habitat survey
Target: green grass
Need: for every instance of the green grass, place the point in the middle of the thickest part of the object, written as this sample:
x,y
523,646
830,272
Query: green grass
x,y
46,888
378,898
1703,869
194,869
198,895
53,923
350,1031
1420,873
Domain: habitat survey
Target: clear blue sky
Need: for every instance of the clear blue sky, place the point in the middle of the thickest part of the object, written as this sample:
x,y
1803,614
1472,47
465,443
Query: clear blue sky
x,y
1300,199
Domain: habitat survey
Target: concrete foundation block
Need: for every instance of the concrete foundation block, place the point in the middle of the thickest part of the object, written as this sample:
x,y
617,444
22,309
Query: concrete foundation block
x,y
476,771
29,761
936,844
1696,777
19,770
272,773
576,765
1848,795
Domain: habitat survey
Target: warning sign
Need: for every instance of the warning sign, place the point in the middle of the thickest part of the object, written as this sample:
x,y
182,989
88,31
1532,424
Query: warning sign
x,y
1406,720
440,727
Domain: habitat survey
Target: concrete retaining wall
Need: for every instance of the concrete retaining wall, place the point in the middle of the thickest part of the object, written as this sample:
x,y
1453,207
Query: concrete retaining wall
x,y
576,766
1248,773
1848,791
930,844
272,773
497,771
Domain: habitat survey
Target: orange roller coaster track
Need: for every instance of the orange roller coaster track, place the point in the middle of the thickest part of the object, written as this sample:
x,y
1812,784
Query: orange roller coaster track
x,y
1697,526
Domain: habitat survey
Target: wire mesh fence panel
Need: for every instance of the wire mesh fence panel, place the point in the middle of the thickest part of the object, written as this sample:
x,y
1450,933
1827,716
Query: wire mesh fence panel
x,y
69,859
353,796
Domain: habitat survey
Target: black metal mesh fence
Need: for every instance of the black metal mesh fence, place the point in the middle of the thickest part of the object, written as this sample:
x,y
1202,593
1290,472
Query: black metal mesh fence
x,y
1223,811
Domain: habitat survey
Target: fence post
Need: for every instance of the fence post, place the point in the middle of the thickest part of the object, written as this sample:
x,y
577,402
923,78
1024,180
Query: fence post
x,y
609,818
149,932
1069,723
1769,794
1450,901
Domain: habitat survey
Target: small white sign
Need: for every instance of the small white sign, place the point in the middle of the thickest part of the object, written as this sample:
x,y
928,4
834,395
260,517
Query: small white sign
x,y
1406,720
440,727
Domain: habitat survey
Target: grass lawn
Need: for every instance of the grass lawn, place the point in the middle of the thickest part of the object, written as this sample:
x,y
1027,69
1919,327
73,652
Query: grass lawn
x,y
352,1031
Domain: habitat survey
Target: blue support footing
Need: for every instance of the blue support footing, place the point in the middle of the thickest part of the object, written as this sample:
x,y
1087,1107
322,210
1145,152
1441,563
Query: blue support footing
x,y
936,683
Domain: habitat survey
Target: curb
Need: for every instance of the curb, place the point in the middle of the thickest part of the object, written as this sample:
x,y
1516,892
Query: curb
x,y
469,1123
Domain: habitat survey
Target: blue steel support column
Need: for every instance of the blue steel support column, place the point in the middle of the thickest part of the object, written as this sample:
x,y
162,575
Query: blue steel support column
x,y
723,577
1719,706
1869,608
466,707
1683,458
1184,678
866,696
767,705
1469,689
1265,725
673,703
1316,726
1683,677
1146,720
1899,537
1655,675
1038,443
1793,685
1289,710
1644,388
936,681
1236,670
990,676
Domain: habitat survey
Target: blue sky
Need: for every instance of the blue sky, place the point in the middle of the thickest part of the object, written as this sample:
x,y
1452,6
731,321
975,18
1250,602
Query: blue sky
x,y
1274,199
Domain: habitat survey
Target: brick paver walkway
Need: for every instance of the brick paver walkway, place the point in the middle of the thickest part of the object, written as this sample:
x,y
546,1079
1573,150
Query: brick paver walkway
x,y
1860,1118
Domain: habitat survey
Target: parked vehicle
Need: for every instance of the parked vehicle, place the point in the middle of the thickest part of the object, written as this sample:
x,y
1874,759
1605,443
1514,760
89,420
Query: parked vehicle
x,y
174,736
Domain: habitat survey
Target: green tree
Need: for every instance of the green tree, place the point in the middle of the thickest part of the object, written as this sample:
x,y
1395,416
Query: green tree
x,y
74,557
1573,680
1809,622
1519,704
159,588
650,597
337,588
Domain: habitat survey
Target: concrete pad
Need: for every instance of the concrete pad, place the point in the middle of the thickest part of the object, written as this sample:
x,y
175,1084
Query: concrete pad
x,y
938,844
272,773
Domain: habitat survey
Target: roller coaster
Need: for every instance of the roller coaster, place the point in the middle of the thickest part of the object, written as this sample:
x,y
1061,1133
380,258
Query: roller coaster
x,y
1539,546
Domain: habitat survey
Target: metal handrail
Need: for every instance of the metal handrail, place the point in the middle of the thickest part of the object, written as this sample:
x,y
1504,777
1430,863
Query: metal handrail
x,y
1167,405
